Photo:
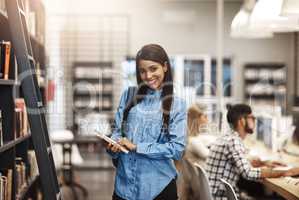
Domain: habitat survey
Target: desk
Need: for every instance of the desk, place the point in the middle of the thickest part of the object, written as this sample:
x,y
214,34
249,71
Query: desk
x,y
286,187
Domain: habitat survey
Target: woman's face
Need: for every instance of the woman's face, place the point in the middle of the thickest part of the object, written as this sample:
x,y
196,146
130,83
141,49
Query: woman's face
x,y
203,119
152,73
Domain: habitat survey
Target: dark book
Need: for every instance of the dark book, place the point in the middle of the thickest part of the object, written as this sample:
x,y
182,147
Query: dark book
x,y
5,54
1,63
6,181
1,129
20,105
4,187
18,123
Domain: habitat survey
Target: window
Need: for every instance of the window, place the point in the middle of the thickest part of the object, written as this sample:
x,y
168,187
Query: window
x,y
226,77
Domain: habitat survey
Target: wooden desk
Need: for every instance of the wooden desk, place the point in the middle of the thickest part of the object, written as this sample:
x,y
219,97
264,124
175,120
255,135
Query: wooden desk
x,y
286,187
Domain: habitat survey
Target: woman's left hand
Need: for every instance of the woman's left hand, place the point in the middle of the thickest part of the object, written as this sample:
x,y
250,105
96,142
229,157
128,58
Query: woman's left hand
x,y
127,143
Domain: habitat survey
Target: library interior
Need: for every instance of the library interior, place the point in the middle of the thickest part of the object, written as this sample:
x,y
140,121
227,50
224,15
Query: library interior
x,y
149,99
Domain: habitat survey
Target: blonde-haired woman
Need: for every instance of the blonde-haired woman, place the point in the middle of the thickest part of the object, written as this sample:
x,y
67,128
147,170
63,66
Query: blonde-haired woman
x,y
196,151
199,137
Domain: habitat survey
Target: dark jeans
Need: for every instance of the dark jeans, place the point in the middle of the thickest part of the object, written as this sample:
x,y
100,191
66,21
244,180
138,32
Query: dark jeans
x,y
168,193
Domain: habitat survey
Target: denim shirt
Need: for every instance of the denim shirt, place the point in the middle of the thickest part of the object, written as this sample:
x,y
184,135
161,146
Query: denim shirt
x,y
143,174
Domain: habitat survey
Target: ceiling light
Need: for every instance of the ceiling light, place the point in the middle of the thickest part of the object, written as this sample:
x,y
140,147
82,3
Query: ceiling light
x,y
290,8
240,27
266,17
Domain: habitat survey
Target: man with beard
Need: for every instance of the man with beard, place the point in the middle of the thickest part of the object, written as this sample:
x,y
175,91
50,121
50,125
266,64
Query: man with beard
x,y
228,159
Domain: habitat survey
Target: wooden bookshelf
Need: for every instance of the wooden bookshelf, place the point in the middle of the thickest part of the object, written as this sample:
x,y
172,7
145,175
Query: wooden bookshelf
x,y
92,81
15,149
13,143
265,82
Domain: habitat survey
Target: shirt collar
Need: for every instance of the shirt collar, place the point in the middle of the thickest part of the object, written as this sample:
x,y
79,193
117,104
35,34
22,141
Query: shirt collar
x,y
154,92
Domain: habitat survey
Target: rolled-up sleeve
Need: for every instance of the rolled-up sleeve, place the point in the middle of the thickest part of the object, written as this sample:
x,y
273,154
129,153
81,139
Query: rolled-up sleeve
x,y
243,166
116,131
175,145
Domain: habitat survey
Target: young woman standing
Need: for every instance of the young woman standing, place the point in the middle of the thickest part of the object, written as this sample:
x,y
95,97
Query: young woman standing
x,y
154,124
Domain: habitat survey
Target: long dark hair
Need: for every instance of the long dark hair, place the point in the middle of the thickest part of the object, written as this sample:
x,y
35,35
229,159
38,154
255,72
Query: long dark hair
x,y
156,53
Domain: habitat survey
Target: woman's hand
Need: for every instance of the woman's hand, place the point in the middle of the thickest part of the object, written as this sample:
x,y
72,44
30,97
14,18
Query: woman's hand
x,y
127,143
111,147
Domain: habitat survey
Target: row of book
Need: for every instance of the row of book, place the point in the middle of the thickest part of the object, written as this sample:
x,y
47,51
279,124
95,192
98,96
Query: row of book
x,y
92,103
278,74
21,121
6,181
92,72
91,88
1,129
21,118
21,176
5,49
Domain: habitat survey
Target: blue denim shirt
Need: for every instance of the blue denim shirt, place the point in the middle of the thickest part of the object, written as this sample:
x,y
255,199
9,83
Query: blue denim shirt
x,y
143,174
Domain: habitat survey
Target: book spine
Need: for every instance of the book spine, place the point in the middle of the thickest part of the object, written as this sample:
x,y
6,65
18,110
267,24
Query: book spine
x,y
9,184
1,188
1,130
7,47
1,61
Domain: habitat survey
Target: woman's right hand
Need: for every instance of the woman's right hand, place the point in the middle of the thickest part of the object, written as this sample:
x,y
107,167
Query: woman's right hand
x,y
111,147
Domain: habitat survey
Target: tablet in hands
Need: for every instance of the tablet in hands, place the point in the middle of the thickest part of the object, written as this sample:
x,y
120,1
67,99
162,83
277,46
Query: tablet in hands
x,y
113,142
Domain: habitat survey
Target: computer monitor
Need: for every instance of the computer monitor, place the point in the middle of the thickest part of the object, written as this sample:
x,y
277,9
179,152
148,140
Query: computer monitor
x,y
264,130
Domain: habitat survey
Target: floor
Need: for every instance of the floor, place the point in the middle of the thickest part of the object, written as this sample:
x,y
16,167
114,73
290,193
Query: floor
x,y
96,175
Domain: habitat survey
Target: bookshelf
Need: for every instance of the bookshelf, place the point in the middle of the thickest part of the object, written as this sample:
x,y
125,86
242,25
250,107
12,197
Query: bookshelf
x,y
19,172
92,92
265,82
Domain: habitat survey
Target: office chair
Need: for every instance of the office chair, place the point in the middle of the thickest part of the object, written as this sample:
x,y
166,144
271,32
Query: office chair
x,y
192,184
229,190
205,190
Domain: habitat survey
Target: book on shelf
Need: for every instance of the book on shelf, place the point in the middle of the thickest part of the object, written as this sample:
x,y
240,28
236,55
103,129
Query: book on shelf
x,y
21,181
6,180
1,129
5,47
21,119
33,167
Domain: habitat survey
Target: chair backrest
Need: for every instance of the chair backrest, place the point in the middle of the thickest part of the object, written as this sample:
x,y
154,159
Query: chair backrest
x,y
192,183
205,190
229,190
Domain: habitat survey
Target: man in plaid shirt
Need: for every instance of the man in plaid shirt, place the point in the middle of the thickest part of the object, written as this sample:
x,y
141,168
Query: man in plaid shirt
x,y
227,158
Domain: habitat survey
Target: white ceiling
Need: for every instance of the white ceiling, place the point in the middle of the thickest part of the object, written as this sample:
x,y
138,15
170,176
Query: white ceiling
x,y
201,0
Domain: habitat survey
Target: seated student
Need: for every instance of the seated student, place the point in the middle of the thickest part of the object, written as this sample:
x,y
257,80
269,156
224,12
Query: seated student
x,y
227,157
197,149
199,138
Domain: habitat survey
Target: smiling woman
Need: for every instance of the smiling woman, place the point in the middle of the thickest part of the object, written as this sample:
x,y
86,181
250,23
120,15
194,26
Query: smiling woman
x,y
152,73
154,125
